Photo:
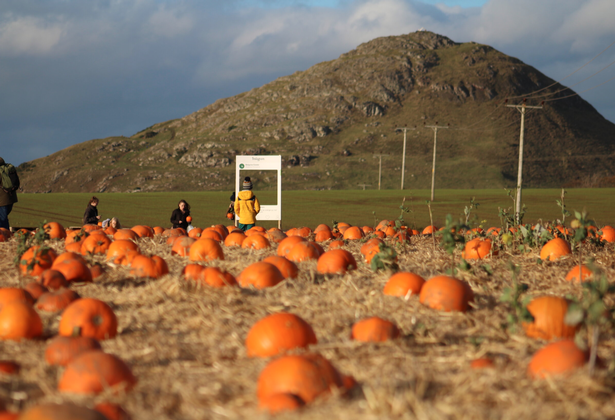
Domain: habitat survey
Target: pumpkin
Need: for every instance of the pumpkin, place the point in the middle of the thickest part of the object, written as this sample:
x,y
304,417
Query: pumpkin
x,y
404,283
211,234
91,227
307,376
260,275
18,321
275,235
95,371
556,358
62,350
8,367
287,243
182,246
384,224
15,294
323,235
287,268
88,317
206,249
353,232
112,411
278,333
234,239
374,330
255,242
54,230
554,249
65,411
195,232
215,277
608,234
402,237
367,230
278,403
148,267
322,227
192,271
584,273
158,230
97,270
128,258
36,260
222,230
336,244
75,236
73,269
482,363
477,249
125,234
95,245
119,248
336,261
56,301
304,251
447,294
429,230
143,231
52,279
549,313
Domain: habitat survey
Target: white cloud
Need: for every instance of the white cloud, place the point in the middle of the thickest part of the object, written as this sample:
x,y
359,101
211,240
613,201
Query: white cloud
x,y
170,23
29,36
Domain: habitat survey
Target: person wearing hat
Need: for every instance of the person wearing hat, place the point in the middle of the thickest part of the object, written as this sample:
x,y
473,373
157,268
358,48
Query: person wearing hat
x,y
246,206
7,199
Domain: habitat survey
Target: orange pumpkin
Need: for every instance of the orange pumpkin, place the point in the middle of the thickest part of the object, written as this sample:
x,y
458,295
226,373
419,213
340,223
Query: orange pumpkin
x,y
578,275
278,403
74,270
97,270
549,313
196,233
36,260
18,321
182,246
260,275
374,330
112,411
307,376
304,251
337,244
148,267
482,363
287,268
556,358
8,367
404,283
143,231
119,248
353,232
255,242
15,294
369,244
54,230
287,243
95,244
56,301
65,411
35,289
206,249
608,234
215,277
158,230
555,249
95,371
234,239
323,235
52,279
447,294
384,224
275,235
125,234
88,317
429,230
278,333
336,261
192,272
211,234
477,249
62,350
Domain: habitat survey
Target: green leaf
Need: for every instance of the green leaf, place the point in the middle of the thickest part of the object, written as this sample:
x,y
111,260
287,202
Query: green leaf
x,y
487,268
574,315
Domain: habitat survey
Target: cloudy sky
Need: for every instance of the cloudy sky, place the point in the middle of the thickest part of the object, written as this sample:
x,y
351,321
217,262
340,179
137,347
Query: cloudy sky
x,y
75,70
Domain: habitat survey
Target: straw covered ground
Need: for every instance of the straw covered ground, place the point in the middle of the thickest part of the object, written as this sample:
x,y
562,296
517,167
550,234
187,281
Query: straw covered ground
x,y
186,344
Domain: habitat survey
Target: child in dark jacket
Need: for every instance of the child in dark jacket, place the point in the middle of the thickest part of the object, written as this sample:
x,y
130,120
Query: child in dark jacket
x,y
91,217
179,215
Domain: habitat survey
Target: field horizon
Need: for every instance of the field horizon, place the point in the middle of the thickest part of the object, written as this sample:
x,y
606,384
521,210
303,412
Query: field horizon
x,y
310,208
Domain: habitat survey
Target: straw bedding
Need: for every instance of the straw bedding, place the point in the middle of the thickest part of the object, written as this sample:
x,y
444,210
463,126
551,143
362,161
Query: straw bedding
x,y
186,344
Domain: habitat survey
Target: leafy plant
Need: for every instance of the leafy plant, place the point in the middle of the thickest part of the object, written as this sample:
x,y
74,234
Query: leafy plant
x,y
451,237
512,296
562,206
580,225
386,259
400,220
468,210
592,311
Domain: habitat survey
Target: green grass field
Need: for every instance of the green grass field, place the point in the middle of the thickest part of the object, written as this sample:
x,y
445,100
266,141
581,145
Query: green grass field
x,y
310,208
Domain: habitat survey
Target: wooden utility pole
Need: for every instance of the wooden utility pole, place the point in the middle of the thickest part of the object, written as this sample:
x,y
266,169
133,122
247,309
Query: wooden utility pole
x,y
403,157
380,169
521,108
433,167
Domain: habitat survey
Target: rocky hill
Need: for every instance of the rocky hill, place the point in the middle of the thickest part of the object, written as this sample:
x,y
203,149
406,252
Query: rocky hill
x,y
329,121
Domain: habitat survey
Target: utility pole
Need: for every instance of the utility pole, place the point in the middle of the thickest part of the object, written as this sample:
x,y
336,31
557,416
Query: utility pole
x,y
521,108
380,169
433,167
403,158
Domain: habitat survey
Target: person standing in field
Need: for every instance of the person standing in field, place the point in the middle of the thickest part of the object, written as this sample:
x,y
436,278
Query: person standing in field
x,y
91,217
8,197
246,206
179,215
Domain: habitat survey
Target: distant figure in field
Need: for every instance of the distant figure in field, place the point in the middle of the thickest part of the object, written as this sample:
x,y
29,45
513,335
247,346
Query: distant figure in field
x,y
91,217
230,212
114,222
8,196
246,206
178,218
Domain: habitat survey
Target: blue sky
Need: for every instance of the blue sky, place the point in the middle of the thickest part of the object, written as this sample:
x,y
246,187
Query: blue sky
x,y
74,70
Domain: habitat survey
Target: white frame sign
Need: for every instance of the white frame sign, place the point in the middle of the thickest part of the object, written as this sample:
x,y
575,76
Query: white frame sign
x,y
261,163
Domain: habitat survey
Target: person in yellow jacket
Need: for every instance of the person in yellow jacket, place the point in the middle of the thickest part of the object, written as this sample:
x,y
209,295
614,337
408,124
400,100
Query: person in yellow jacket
x,y
246,206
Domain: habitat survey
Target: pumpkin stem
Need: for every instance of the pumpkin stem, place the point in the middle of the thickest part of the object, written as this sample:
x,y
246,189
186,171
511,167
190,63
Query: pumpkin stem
x,y
76,332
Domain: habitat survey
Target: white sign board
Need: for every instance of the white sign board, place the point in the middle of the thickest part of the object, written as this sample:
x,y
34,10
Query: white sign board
x,y
261,163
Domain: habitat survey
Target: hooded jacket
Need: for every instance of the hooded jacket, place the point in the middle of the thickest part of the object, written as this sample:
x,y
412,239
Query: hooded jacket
x,y
6,198
247,207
